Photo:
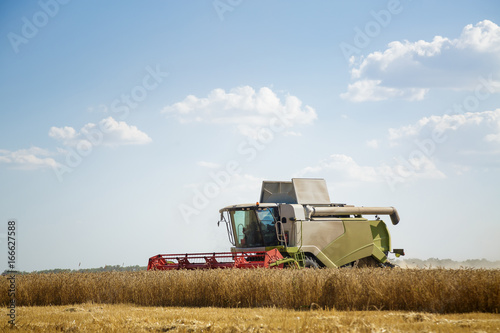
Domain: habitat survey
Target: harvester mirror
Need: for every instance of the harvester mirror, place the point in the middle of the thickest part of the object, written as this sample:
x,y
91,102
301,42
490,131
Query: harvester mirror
x,y
222,219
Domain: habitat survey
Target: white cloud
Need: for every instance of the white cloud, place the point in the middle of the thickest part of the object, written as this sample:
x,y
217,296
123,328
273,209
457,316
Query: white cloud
x,y
236,188
484,125
460,169
459,140
245,185
344,169
292,133
416,166
371,90
120,133
408,70
244,108
107,132
63,133
493,137
209,165
32,158
431,148
484,37
372,143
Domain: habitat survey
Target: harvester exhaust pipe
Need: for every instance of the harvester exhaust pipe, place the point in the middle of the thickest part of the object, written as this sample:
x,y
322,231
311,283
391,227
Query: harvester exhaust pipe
x,y
326,211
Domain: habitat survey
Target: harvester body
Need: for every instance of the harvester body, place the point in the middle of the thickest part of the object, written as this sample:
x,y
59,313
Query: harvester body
x,y
298,218
295,225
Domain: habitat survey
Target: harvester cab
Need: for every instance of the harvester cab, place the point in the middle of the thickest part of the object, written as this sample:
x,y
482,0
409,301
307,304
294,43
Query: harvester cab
x,y
297,218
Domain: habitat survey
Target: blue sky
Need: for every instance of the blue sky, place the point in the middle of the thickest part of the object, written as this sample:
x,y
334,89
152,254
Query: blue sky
x,y
126,126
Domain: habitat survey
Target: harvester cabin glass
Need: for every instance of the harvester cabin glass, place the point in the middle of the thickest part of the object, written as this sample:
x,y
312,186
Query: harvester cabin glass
x,y
255,227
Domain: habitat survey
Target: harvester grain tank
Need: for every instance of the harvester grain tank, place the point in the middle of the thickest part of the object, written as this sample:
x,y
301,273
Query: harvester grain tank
x,y
294,224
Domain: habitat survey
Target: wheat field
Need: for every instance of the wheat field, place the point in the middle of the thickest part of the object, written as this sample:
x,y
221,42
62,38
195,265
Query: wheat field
x,y
90,317
421,290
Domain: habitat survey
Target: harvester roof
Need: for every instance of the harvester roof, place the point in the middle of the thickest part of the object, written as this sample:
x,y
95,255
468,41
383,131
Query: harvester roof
x,y
248,205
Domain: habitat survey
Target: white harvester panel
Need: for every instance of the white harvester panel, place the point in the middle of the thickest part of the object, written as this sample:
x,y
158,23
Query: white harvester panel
x,y
311,191
299,191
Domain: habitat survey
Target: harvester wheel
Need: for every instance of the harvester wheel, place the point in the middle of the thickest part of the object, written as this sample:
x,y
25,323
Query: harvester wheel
x,y
366,262
389,264
310,263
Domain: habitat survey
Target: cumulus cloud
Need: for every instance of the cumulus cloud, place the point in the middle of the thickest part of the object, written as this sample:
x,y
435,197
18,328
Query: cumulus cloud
x,y
371,90
431,148
478,127
31,158
459,139
372,143
245,108
107,132
208,165
484,37
344,169
408,70
344,166
66,133
232,188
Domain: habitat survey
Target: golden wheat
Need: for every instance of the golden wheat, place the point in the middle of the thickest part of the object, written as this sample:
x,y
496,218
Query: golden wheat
x,y
437,290
132,318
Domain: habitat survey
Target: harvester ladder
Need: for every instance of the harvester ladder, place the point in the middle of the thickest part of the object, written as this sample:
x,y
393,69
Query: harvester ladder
x,y
280,233
300,258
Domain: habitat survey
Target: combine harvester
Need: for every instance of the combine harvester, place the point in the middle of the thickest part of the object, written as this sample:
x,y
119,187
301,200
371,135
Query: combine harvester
x,y
295,225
